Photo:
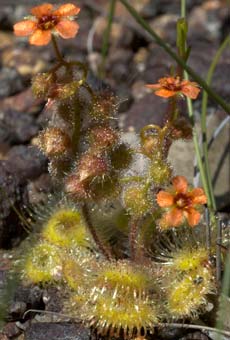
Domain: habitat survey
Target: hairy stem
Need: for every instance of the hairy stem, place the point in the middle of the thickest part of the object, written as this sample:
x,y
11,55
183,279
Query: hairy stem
x,y
56,50
105,251
133,234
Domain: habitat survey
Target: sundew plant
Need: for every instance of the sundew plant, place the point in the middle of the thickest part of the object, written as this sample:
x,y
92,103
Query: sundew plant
x,y
148,263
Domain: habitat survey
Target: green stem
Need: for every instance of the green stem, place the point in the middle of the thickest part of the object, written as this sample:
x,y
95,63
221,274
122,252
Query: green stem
x,y
183,9
204,120
199,161
105,45
225,293
180,61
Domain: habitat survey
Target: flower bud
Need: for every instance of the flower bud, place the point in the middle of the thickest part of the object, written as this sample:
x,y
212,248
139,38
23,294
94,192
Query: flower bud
x,y
103,107
103,137
136,200
91,166
151,145
160,172
54,142
63,91
41,84
77,189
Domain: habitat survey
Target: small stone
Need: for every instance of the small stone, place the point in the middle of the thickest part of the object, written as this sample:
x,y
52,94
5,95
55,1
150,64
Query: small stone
x,y
22,102
53,297
147,110
25,162
165,26
25,61
6,40
57,331
194,336
10,14
204,23
10,81
170,333
121,35
125,98
9,188
149,9
17,309
11,330
38,190
17,127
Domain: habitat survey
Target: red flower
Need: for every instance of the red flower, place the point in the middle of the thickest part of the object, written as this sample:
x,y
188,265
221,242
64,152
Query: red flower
x,y
181,204
172,86
45,21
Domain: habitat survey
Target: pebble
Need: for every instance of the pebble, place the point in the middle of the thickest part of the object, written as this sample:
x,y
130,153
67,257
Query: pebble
x,y
10,81
57,331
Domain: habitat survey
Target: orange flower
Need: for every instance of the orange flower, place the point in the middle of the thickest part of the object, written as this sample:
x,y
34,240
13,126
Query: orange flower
x,y
45,21
181,204
172,86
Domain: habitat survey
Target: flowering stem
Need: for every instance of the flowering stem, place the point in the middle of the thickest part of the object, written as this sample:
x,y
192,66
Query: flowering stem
x,y
183,9
204,116
218,99
57,51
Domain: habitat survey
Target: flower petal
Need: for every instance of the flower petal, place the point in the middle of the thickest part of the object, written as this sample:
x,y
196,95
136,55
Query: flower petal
x,y
193,217
165,93
153,86
172,219
24,28
198,196
41,10
180,184
67,29
67,10
164,199
190,91
40,37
